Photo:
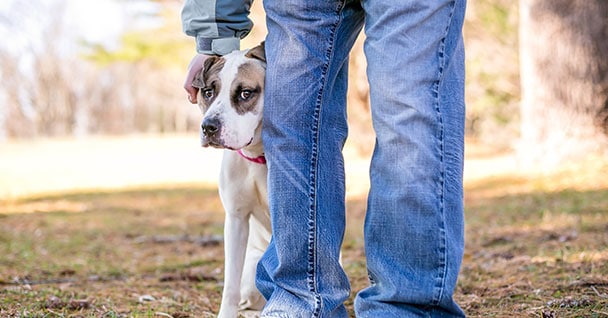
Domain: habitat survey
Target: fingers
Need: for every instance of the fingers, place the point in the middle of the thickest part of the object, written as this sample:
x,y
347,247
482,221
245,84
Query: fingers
x,y
195,66
192,93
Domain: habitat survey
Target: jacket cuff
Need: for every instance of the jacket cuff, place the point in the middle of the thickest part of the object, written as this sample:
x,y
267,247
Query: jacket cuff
x,y
221,46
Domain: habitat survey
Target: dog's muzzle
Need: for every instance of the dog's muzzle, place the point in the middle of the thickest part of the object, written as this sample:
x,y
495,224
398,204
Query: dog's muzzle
x,y
211,132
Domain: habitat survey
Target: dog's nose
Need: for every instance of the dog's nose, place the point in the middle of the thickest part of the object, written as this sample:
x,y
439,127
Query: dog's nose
x,y
210,126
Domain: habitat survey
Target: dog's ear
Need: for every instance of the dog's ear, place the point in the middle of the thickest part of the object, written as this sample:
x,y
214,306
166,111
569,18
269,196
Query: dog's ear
x,y
257,52
199,78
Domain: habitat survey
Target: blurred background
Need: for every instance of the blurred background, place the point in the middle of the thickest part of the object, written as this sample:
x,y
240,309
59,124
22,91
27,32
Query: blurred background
x,y
78,71
109,206
78,68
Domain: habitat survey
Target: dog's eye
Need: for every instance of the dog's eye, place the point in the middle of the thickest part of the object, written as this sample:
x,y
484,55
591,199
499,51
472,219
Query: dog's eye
x,y
208,93
246,94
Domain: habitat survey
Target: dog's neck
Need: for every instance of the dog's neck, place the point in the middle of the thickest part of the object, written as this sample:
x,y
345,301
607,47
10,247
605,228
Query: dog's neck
x,y
253,153
260,159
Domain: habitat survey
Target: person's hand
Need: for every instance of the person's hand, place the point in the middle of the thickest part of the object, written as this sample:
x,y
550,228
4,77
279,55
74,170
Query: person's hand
x,y
195,66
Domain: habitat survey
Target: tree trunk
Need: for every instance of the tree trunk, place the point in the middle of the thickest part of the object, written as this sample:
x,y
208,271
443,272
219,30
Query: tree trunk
x,y
564,78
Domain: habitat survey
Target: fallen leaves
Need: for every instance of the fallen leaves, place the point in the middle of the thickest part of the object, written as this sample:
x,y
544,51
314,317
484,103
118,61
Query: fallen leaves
x,y
54,302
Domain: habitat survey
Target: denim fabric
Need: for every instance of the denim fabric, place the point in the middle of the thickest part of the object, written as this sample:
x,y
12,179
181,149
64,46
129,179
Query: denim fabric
x,y
414,223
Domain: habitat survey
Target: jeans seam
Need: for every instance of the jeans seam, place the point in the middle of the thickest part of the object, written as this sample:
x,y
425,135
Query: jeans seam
x,y
312,233
442,271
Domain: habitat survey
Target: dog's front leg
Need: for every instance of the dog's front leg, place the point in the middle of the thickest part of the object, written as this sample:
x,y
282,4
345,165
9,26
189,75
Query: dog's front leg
x,y
236,232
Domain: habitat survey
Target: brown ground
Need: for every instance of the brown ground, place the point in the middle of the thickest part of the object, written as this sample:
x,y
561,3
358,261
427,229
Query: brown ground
x,y
537,246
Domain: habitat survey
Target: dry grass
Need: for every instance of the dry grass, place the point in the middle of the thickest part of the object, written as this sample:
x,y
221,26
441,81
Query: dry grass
x,y
537,243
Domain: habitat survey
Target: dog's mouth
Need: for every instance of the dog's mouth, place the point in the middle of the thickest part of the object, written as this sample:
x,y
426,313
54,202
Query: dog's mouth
x,y
219,144
249,143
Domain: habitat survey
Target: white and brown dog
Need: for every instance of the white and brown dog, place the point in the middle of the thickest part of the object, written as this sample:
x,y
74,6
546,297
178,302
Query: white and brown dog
x,y
231,98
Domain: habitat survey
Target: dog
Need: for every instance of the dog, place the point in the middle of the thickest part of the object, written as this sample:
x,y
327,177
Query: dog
x,y
231,98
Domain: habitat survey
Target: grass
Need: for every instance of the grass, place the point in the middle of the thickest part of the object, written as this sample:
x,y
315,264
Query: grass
x,y
106,254
537,246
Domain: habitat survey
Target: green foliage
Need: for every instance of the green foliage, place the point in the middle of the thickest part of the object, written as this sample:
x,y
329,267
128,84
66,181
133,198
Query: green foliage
x,y
165,46
497,19
492,87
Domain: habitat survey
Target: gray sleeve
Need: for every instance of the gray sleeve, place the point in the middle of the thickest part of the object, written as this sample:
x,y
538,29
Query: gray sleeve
x,y
217,25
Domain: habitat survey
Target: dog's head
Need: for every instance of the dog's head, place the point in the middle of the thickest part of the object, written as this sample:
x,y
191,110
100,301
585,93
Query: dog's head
x,y
231,98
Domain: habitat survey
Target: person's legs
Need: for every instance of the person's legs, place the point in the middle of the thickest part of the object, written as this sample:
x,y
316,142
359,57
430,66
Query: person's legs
x,y
414,224
304,131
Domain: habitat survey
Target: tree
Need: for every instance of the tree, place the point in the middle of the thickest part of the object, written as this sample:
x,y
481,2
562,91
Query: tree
x,y
54,83
564,77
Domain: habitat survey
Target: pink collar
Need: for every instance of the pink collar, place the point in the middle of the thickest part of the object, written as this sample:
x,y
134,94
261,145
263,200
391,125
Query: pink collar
x,y
260,160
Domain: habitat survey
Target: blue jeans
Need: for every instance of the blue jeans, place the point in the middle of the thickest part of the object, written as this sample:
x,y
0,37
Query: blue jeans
x,y
414,222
